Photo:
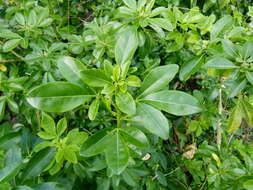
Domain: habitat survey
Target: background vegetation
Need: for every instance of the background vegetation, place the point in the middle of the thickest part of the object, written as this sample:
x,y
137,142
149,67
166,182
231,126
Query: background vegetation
x,y
125,94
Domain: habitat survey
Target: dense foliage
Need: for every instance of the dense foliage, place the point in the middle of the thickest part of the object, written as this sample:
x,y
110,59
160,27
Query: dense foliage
x,y
126,94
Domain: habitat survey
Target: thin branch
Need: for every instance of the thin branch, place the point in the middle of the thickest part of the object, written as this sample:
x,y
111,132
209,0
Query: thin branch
x,y
8,61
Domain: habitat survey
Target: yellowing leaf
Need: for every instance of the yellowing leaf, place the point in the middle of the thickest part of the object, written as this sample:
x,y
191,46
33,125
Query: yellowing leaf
x,y
3,68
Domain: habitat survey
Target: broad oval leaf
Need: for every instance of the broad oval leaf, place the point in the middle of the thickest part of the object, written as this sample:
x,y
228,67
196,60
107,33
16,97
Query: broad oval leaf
x,y
125,48
248,185
235,118
13,163
236,87
93,109
130,3
38,163
229,48
125,103
249,76
117,154
96,144
162,23
220,63
174,102
95,78
11,44
9,140
152,120
70,69
158,78
221,26
57,96
190,67
135,137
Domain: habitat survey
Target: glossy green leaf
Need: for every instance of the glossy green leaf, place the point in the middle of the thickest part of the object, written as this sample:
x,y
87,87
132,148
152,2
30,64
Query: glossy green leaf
x,y
2,108
8,34
38,163
61,126
248,185
134,81
235,118
57,96
221,26
20,18
70,69
42,145
9,140
125,48
130,3
174,102
12,105
93,109
236,87
11,44
229,48
13,163
249,76
125,103
162,23
117,154
134,136
95,78
47,123
158,78
76,138
190,67
247,111
220,63
96,143
152,120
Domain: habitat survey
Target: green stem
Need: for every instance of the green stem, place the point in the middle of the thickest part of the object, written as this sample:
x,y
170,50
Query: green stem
x,y
118,118
219,130
8,61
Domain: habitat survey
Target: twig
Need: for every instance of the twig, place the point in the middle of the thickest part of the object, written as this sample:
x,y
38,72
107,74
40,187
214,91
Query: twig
x,y
8,61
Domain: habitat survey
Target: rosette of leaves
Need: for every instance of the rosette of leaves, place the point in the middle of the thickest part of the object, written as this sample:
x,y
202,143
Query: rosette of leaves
x,y
67,147
141,14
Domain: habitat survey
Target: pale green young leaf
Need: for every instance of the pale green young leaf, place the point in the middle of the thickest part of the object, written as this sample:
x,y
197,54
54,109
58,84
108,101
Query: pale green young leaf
x,y
75,137
61,126
48,124
95,78
93,109
130,3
